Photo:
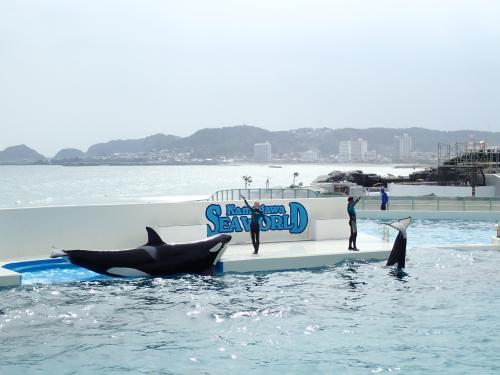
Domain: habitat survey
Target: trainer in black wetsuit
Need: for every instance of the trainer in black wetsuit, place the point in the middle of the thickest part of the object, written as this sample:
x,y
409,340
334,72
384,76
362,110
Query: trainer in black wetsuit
x,y
257,215
352,222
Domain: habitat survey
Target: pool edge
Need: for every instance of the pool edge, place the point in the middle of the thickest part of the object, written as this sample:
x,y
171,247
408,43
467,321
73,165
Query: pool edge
x,y
9,278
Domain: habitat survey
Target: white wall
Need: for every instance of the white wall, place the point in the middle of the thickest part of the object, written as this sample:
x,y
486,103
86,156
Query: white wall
x,y
31,232
494,180
401,190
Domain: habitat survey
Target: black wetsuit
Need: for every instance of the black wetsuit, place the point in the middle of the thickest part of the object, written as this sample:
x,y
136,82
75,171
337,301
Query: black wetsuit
x,y
255,226
352,224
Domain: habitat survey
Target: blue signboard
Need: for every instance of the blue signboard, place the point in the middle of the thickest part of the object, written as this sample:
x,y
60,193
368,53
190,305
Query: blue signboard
x,y
233,218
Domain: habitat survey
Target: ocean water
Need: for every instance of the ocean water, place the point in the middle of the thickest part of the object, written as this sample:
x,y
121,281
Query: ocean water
x,y
33,185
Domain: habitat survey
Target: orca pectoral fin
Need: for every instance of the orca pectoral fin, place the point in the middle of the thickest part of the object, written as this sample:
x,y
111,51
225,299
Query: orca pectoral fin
x,y
126,272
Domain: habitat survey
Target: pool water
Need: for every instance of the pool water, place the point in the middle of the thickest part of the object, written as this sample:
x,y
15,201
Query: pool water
x,y
52,271
436,232
354,318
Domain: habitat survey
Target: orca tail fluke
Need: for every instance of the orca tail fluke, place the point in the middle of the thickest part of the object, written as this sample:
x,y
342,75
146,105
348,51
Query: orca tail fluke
x,y
401,225
398,253
56,253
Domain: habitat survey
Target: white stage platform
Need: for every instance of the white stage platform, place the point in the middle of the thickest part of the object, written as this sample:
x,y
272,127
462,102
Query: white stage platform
x,y
9,278
300,254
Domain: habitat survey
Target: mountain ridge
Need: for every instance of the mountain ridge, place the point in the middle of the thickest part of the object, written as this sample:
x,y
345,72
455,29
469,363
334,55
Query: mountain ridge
x,y
235,141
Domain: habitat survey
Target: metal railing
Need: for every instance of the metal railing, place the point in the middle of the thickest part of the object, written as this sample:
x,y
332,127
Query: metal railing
x,y
369,202
433,204
281,193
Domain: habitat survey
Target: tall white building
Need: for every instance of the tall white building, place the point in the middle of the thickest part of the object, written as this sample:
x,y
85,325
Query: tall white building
x,y
262,152
353,150
309,156
403,146
344,151
359,149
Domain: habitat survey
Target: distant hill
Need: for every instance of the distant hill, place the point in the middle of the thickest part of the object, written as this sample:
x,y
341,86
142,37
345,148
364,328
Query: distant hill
x,y
20,154
154,142
69,153
229,141
239,140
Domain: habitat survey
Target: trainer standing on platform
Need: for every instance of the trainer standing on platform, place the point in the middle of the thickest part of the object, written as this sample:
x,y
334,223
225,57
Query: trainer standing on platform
x,y
351,202
257,216
384,198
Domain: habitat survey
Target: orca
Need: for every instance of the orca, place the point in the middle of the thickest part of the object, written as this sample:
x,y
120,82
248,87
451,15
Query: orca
x,y
398,253
155,258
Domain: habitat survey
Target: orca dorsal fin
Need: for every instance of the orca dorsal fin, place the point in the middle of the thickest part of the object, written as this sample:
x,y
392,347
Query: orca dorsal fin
x,y
154,238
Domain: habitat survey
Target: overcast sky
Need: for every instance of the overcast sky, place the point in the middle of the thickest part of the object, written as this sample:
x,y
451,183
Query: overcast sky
x,y
74,73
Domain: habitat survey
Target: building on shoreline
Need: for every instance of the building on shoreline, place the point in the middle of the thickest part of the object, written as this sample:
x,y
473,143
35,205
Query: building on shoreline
x,y
403,146
353,150
262,152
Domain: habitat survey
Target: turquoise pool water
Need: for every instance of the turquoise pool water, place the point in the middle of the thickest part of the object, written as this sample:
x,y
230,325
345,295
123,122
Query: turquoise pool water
x,y
355,318
437,232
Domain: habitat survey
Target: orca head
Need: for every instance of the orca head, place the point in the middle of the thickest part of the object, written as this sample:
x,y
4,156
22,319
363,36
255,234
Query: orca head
x,y
219,241
225,238
220,247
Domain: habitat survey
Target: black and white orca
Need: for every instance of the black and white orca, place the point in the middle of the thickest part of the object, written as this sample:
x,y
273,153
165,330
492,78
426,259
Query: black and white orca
x,y
398,253
155,258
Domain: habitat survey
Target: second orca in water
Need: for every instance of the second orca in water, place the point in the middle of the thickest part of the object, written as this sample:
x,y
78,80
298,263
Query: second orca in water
x,y
398,253
155,258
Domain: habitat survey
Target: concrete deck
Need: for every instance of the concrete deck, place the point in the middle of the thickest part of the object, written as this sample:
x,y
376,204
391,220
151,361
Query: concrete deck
x,y
300,254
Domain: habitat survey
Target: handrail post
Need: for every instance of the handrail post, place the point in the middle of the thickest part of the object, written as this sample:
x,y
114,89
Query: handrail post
x,y
413,204
249,193
239,193
260,194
